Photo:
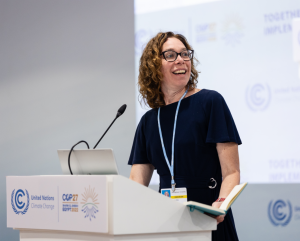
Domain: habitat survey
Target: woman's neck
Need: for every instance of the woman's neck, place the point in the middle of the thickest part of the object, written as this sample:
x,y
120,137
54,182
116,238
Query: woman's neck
x,y
172,95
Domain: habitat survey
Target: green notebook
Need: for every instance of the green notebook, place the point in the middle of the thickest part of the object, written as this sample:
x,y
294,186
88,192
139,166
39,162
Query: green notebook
x,y
203,208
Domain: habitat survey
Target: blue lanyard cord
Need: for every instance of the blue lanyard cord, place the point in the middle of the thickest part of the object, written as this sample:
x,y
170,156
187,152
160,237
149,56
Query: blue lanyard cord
x,y
171,167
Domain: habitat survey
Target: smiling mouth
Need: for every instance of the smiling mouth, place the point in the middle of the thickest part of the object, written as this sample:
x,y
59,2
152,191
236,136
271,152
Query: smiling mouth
x,y
179,72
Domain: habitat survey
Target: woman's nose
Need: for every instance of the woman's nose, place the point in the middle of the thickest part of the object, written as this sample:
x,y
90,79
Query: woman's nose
x,y
179,59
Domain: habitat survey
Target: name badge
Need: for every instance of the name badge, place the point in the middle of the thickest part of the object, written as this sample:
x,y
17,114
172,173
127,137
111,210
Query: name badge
x,y
180,194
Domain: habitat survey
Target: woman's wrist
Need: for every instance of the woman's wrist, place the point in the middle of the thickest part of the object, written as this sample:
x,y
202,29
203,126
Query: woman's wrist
x,y
221,199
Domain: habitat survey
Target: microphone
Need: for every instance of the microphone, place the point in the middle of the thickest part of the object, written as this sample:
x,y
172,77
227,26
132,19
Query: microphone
x,y
120,112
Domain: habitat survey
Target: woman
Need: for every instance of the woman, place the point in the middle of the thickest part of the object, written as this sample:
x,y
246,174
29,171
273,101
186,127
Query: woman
x,y
205,149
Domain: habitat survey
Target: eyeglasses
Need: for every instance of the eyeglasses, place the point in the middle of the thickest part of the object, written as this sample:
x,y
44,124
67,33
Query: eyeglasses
x,y
171,55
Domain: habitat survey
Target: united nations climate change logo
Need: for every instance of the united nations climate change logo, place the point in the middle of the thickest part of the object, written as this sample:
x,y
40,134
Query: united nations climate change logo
x,y
89,204
20,201
280,212
258,96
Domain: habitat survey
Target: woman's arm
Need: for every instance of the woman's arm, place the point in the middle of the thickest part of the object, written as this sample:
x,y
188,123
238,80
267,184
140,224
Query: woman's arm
x,y
141,173
229,160
230,166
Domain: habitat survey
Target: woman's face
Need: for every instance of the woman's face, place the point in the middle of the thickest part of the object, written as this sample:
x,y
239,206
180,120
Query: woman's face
x,y
171,77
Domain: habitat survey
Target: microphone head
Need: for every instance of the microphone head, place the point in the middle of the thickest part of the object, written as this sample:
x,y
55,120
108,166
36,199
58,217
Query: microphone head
x,y
121,110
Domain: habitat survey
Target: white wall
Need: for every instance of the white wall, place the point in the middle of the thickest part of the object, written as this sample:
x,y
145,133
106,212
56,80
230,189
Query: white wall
x,y
65,68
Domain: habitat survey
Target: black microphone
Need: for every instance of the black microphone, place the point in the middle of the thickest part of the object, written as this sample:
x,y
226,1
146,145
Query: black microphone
x,y
121,110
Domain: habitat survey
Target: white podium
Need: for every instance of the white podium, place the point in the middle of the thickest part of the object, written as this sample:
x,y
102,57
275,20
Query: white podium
x,y
112,207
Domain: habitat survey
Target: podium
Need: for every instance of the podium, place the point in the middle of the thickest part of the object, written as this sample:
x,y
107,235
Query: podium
x,y
105,208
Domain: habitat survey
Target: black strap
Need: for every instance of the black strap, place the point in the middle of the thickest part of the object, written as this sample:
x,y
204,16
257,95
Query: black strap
x,y
71,152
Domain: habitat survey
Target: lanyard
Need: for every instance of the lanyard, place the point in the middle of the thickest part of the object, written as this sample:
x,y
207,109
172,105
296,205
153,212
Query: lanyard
x,y
171,167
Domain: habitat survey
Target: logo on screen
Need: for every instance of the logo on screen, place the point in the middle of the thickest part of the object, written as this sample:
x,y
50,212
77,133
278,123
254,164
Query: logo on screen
x,y
258,96
232,30
89,203
206,32
20,201
141,38
280,212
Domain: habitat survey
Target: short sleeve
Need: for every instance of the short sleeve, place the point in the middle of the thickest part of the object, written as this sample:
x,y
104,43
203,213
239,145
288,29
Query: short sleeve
x,y
138,153
221,126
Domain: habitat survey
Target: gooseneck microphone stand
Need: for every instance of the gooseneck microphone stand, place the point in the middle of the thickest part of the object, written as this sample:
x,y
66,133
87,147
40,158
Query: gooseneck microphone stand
x,y
121,110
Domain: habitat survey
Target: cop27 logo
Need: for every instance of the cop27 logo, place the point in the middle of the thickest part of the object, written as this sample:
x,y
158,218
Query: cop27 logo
x,y
258,96
280,212
232,30
89,203
20,201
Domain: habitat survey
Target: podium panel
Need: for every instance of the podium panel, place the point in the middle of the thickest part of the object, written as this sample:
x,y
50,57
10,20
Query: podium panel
x,y
137,209
108,207
76,203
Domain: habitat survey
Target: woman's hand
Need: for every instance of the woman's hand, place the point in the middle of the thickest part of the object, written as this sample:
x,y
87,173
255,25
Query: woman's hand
x,y
219,218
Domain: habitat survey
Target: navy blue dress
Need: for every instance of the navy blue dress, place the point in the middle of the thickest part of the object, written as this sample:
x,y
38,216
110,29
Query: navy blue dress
x,y
203,120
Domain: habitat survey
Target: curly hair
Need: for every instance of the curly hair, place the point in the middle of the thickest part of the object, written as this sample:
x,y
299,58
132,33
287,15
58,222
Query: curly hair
x,y
150,75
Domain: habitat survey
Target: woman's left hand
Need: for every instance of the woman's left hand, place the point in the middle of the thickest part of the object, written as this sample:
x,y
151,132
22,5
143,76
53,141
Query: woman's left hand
x,y
219,218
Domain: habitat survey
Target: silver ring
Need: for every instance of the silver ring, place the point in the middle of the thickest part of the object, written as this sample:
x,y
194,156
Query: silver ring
x,y
213,180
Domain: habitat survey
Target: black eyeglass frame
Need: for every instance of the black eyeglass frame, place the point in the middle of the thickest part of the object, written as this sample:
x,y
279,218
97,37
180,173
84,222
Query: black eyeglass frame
x,y
191,50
